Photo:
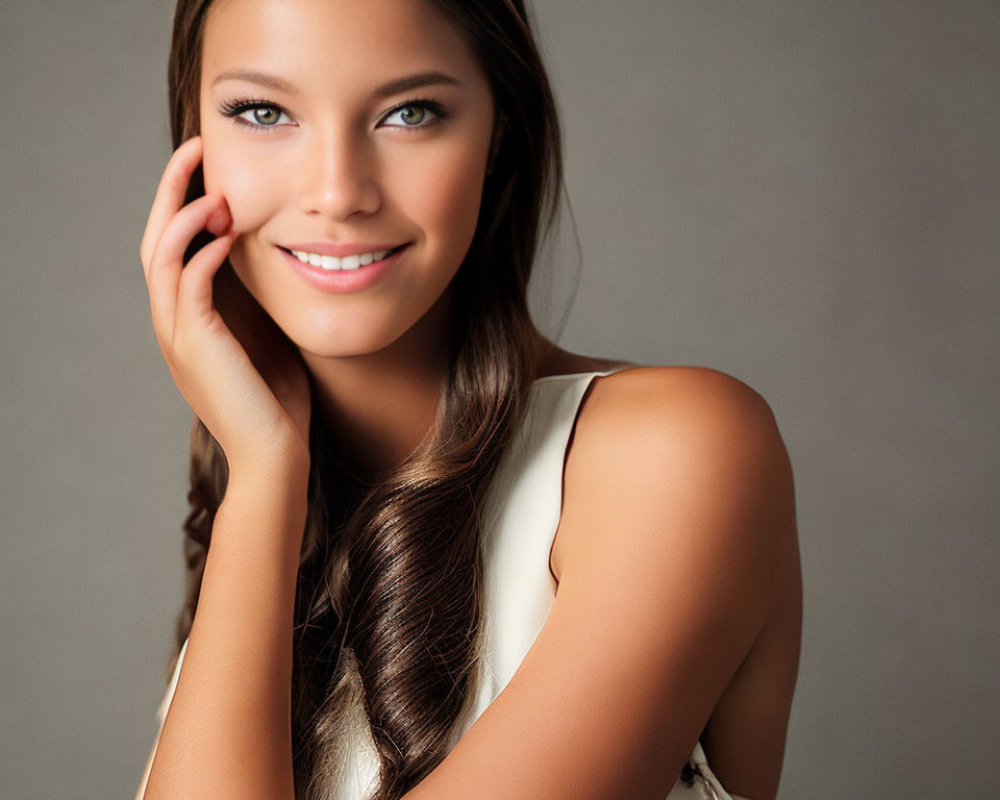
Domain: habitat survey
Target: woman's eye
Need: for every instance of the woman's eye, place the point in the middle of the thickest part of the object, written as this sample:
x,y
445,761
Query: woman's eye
x,y
264,116
255,114
413,115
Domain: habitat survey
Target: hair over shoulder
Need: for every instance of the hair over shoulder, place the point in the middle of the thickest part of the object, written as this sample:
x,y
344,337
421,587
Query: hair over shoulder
x,y
371,552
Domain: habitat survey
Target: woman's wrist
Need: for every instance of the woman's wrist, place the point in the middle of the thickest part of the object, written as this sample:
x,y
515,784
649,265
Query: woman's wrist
x,y
285,463
273,481
276,483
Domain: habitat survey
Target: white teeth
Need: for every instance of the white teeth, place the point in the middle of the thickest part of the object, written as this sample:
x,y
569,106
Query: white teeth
x,y
333,263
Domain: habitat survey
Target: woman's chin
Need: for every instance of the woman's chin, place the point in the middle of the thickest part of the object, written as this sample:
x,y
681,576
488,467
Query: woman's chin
x,y
336,344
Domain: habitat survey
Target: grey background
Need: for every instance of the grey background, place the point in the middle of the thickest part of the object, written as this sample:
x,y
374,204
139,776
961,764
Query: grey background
x,y
803,194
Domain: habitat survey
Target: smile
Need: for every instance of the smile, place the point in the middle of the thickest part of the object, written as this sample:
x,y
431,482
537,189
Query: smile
x,y
333,264
355,267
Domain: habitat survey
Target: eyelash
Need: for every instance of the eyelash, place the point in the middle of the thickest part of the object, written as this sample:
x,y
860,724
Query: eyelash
x,y
235,108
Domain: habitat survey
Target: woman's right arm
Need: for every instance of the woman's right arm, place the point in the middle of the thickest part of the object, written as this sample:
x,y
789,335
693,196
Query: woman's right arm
x,y
228,730
227,733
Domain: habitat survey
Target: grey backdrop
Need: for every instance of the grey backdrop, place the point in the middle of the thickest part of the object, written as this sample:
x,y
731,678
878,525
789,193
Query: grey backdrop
x,y
803,194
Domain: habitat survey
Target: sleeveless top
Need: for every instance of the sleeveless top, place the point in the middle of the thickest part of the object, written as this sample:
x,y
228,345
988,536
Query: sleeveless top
x,y
519,525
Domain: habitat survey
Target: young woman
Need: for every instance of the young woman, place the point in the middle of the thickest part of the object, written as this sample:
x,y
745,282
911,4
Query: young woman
x,y
448,559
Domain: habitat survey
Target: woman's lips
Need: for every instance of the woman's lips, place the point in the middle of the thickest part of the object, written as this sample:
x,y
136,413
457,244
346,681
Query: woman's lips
x,y
341,268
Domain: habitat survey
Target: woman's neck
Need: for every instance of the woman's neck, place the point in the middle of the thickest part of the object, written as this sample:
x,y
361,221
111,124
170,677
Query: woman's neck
x,y
380,406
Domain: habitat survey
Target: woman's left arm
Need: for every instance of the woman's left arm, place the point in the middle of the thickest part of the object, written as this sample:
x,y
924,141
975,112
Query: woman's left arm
x,y
676,546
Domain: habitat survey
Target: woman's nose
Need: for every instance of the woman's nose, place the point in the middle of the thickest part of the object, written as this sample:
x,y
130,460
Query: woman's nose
x,y
339,179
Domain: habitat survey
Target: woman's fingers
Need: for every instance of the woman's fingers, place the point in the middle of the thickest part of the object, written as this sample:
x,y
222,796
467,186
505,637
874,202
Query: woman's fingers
x,y
163,275
194,294
170,195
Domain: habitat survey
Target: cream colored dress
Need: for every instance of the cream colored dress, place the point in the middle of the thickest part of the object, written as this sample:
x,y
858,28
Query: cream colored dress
x,y
520,522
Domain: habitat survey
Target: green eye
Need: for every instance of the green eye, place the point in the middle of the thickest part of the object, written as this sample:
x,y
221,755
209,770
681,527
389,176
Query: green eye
x,y
412,115
417,114
255,114
266,115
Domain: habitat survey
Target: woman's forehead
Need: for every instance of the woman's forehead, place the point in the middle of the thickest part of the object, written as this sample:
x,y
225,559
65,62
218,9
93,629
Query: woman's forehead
x,y
341,42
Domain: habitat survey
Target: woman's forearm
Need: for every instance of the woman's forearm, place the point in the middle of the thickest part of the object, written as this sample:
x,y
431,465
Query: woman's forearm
x,y
228,730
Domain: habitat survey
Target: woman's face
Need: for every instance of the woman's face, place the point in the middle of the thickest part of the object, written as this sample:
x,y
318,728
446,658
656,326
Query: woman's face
x,y
341,130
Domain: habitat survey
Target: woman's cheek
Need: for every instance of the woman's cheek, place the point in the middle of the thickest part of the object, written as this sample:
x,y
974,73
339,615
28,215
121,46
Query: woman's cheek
x,y
450,193
227,172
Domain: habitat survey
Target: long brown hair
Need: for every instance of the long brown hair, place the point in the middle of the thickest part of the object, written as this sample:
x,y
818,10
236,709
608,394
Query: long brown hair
x,y
389,578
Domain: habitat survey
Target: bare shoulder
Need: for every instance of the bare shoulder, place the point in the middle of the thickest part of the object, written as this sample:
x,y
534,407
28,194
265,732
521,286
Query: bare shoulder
x,y
662,442
676,401
692,437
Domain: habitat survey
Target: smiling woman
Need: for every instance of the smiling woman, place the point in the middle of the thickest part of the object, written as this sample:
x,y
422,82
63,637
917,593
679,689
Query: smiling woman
x,y
431,554
370,136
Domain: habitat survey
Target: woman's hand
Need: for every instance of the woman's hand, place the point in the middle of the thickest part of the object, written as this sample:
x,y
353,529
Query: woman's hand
x,y
232,364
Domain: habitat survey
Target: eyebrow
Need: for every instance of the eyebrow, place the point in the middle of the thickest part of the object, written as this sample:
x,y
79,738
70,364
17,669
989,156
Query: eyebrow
x,y
260,78
411,82
397,86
